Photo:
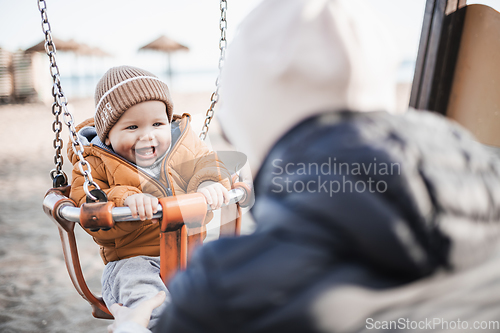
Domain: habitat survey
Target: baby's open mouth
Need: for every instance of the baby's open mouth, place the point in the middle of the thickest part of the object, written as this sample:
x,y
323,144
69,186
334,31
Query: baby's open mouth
x,y
145,152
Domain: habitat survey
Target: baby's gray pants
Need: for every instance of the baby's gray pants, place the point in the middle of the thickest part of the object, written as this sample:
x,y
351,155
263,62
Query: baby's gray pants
x,y
130,281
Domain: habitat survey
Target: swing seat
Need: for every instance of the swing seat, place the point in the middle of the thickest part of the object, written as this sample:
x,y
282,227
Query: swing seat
x,y
179,215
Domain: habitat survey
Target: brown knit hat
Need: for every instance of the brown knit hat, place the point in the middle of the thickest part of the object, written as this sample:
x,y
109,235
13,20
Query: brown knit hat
x,y
122,87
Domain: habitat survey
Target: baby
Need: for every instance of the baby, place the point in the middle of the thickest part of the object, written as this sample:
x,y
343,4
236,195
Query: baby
x,y
139,152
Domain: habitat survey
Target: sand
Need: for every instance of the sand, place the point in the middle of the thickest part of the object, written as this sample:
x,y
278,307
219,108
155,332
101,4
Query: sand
x,y
36,294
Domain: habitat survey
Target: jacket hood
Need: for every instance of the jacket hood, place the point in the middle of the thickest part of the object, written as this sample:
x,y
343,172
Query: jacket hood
x,y
292,59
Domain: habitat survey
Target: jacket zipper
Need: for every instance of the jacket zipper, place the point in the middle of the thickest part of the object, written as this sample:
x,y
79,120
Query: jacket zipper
x,y
165,163
162,188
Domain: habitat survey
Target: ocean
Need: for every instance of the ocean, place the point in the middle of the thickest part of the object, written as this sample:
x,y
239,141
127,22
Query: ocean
x,y
187,81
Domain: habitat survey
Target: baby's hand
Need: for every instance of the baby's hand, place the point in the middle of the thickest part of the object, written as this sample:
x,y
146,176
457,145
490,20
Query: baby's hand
x,y
215,193
142,205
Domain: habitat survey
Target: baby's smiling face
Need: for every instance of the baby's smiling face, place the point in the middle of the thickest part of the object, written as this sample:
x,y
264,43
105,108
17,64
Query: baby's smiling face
x,y
142,134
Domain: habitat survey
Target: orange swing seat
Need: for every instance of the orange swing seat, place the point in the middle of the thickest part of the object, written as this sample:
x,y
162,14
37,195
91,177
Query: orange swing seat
x,y
180,214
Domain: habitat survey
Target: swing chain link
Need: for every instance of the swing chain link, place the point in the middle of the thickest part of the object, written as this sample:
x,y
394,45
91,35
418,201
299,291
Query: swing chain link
x,y
222,47
60,107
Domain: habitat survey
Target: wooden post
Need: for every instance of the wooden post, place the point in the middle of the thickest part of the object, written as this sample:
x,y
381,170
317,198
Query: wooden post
x,y
437,54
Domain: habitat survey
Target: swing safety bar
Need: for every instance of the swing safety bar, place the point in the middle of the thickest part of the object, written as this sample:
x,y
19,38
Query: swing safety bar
x,y
123,214
182,228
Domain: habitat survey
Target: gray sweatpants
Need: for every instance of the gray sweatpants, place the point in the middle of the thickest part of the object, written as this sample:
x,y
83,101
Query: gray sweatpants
x,y
130,281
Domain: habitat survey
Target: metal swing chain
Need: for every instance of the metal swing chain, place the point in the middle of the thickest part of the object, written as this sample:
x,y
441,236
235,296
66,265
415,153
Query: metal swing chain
x,y
60,107
222,47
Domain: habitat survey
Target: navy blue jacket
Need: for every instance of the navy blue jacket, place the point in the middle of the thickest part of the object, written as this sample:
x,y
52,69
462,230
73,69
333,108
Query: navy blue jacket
x,y
344,198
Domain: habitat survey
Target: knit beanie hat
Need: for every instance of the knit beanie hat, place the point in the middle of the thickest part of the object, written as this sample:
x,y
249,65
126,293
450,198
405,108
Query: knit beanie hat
x,y
122,87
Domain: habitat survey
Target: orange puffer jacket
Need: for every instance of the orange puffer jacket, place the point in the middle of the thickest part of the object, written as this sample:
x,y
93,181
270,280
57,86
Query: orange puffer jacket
x,y
188,163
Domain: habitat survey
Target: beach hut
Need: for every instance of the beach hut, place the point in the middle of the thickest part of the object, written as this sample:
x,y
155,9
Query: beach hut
x,y
23,77
165,45
6,82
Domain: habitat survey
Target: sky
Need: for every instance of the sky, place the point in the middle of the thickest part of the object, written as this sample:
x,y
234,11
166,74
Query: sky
x,y
121,27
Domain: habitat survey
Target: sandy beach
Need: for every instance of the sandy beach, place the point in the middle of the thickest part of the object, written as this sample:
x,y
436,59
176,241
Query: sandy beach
x,y
36,294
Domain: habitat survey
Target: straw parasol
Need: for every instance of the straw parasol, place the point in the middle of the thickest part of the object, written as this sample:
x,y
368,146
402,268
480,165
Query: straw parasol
x,y
71,46
99,52
166,45
60,44
87,50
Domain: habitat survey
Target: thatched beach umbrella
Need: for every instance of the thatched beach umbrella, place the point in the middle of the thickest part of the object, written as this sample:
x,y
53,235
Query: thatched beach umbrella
x,y
79,51
60,44
86,50
166,45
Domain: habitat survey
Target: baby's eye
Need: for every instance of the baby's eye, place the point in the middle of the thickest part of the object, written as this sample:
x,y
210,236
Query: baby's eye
x,y
132,127
157,124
